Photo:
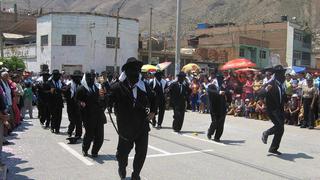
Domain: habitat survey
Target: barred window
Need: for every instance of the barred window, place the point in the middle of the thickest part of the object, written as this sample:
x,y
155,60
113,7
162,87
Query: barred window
x,y
111,42
44,40
69,40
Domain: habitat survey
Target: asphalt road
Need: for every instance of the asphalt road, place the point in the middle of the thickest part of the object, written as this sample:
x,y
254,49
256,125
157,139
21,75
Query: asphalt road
x,y
38,154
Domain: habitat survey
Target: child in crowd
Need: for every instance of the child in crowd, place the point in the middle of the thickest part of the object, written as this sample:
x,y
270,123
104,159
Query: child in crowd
x,y
27,98
261,109
239,105
252,107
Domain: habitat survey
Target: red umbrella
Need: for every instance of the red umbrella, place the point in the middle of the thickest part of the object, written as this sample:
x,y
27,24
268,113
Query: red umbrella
x,y
246,70
237,63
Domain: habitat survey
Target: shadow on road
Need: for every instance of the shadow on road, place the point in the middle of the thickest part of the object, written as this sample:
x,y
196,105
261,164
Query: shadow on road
x,y
233,142
292,157
192,132
12,163
105,157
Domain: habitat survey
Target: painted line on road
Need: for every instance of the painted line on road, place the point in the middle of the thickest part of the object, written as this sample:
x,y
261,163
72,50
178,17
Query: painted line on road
x,y
205,140
175,154
75,154
159,150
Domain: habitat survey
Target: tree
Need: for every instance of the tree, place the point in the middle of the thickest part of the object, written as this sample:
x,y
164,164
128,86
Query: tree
x,y
14,63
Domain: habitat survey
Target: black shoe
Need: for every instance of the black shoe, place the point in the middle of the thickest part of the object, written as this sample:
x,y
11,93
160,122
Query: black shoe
x,y
217,140
122,173
57,132
303,126
275,152
264,138
5,143
52,130
209,136
69,134
311,127
84,153
159,126
94,155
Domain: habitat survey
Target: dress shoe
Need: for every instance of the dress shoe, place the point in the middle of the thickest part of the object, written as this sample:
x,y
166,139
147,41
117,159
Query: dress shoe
x,y
217,140
5,143
264,138
84,153
311,127
122,173
209,136
275,152
303,126
52,130
94,155
159,127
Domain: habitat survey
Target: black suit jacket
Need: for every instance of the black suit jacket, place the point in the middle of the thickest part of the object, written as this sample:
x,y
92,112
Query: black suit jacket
x,y
273,96
131,115
178,98
218,103
159,91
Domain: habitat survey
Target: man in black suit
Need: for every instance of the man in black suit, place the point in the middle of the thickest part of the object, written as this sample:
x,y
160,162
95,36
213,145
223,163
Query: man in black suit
x,y
219,94
179,93
159,86
91,99
43,99
56,101
275,96
131,98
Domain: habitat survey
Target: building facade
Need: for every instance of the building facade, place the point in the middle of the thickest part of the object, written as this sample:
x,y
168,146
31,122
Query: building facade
x,y
84,41
265,44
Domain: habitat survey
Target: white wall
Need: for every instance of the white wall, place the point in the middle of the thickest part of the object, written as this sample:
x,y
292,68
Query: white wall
x,y
289,52
44,27
90,50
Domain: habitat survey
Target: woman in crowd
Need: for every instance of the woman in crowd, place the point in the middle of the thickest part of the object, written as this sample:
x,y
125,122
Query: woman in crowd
x,y
308,96
248,87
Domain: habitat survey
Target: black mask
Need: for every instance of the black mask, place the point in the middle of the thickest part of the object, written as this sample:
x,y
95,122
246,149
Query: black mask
x,y
56,77
280,76
133,75
90,79
158,77
77,80
181,79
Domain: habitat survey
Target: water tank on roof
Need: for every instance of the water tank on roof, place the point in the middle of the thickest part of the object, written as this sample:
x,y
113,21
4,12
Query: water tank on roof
x,y
284,18
203,25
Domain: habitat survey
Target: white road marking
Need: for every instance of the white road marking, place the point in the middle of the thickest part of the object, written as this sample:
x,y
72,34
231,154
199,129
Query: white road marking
x,y
205,140
175,154
159,150
76,154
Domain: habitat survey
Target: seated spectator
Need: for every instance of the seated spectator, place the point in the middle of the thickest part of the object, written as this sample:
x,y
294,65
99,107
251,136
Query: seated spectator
x,y
231,108
252,107
293,109
261,109
239,106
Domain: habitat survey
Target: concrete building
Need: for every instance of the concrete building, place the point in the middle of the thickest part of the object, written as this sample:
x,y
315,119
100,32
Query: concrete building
x,y
265,44
84,41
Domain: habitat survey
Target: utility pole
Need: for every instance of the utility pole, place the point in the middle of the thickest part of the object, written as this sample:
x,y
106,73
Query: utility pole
x,y
117,37
150,38
178,29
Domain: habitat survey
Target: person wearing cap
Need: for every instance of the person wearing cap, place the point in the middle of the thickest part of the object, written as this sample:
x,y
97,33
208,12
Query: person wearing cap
x,y
159,86
179,93
219,97
56,101
134,105
73,108
43,90
309,94
91,98
274,93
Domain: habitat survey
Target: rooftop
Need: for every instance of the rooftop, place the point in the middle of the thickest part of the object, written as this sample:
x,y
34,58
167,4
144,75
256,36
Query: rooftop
x,y
88,13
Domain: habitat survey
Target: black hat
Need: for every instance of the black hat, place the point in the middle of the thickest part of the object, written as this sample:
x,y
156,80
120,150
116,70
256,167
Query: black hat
x,y
181,74
132,62
279,68
56,71
77,73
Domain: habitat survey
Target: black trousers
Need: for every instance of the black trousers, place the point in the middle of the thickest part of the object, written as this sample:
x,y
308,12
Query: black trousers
x,y
44,113
217,125
93,133
308,114
277,118
160,113
74,119
178,117
141,148
56,116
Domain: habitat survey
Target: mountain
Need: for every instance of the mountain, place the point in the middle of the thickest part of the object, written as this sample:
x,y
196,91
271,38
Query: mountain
x,y
193,11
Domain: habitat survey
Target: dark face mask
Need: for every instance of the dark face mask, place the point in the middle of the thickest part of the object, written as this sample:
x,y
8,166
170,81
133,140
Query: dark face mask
x,y
90,80
56,77
158,77
280,76
133,75
77,80
180,79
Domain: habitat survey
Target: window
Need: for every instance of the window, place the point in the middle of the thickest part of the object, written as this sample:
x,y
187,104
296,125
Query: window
x,y
44,40
242,52
298,36
68,40
111,42
297,55
263,54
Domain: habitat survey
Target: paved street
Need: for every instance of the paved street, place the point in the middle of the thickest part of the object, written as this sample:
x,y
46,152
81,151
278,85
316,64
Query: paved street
x,y
38,154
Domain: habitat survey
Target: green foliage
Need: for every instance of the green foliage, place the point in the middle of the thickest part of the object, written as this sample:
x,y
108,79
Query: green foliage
x,y
13,63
